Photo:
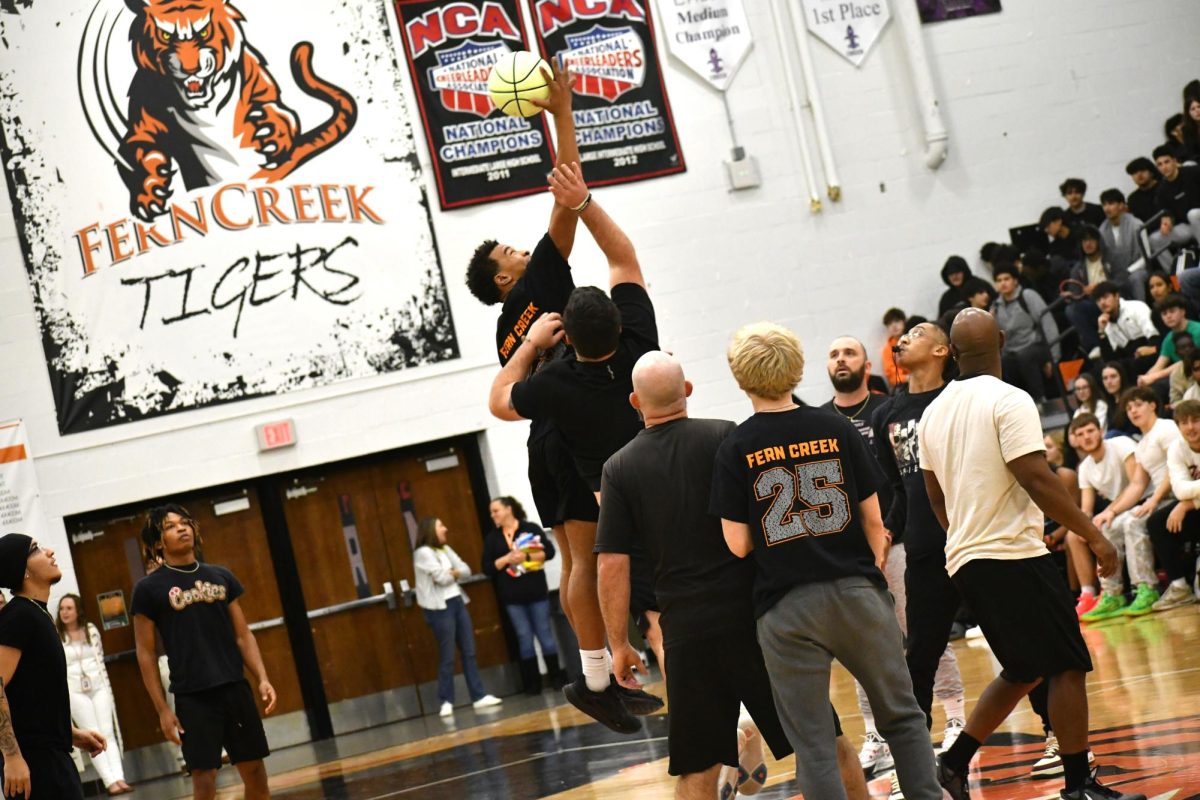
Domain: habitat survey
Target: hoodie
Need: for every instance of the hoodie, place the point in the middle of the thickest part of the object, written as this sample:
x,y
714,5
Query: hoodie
x,y
1123,250
959,295
1019,321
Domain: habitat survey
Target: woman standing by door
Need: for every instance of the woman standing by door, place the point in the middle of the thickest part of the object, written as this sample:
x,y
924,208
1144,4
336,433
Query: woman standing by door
x,y
91,696
514,554
438,569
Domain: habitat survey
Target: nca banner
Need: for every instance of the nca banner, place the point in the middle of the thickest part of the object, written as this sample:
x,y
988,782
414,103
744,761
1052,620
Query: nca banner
x,y
20,501
479,154
711,37
622,117
215,202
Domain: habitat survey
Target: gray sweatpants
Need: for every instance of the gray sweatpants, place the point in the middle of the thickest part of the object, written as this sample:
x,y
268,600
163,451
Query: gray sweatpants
x,y
852,620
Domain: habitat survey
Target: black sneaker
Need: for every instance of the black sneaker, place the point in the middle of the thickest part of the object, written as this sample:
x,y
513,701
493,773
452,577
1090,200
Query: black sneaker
x,y
637,701
956,785
604,707
1093,790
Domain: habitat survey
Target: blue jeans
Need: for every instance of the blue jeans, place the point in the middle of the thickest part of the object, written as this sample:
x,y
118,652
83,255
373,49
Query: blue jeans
x,y
529,620
450,625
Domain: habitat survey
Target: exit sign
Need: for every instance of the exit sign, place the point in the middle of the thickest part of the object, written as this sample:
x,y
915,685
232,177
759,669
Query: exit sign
x,y
273,435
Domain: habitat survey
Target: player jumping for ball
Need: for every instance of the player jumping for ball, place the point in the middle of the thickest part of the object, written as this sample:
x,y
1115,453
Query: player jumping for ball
x,y
587,397
529,285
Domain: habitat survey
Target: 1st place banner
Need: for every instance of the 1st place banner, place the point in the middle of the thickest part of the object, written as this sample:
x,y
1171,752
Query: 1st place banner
x,y
622,115
479,154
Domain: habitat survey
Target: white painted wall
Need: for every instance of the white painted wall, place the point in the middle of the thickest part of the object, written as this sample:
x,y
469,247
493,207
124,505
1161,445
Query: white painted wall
x,y
1037,93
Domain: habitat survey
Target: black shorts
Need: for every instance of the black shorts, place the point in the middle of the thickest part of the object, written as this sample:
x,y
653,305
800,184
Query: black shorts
x,y
559,493
1027,614
221,717
52,773
707,679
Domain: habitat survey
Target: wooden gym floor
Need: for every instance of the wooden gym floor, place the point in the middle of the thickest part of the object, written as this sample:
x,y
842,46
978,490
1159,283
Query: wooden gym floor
x,y
1145,719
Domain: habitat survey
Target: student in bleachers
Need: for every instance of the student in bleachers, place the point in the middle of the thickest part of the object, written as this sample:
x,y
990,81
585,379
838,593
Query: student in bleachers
x,y
1178,195
1064,236
1191,119
1143,200
893,321
1172,526
960,283
1090,399
1181,376
1081,565
1173,132
1092,269
1026,356
1114,377
1078,213
1126,328
1121,244
1044,274
1111,472
1173,311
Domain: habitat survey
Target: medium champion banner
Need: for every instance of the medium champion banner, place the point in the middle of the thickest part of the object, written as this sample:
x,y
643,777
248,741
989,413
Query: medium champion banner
x,y
622,116
216,200
479,154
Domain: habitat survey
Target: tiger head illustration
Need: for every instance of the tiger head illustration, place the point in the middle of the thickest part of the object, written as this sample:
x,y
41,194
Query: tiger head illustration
x,y
204,107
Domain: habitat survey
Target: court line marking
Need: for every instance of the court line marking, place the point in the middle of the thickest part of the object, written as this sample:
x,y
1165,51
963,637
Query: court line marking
x,y
534,757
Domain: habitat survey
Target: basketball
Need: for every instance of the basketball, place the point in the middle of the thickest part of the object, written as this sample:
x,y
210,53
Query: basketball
x,y
516,79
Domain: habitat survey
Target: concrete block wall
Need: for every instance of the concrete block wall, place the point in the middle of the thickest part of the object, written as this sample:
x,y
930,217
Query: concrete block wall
x,y
1032,95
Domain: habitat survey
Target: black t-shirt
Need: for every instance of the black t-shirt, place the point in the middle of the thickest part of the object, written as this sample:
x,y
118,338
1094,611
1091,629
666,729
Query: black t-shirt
x,y
37,693
1143,204
797,477
526,586
544,288
1091,214
191,612
910,517
1181,195
655,499
862,423
589,400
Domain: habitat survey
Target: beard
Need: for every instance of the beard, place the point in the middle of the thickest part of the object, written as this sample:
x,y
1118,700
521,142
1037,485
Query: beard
x,y
849,383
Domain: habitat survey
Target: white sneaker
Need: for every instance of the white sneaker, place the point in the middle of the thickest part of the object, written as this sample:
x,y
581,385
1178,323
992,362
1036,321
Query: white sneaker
x,y
1174,597
954,727
1050,764
487,701
875,755
446,711
975,632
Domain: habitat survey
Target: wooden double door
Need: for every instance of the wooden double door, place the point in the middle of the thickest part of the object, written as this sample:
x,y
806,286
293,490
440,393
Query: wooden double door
x,y
325,556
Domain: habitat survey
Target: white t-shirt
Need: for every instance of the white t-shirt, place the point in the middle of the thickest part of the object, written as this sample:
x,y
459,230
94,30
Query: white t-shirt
x,y
966,438
1108,477
1151,451
1183,465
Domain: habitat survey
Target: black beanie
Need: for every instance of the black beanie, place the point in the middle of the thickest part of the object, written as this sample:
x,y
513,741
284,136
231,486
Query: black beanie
x,y
14,555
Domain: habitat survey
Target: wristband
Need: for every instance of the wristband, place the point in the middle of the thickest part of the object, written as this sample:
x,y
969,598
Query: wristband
x,y
586,202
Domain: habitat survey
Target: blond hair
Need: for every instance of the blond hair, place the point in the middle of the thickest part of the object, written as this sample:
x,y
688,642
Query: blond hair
x,y
766,360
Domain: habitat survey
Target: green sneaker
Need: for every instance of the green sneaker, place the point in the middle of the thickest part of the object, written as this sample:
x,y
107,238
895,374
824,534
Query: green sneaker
x,y
1110,606
1143,601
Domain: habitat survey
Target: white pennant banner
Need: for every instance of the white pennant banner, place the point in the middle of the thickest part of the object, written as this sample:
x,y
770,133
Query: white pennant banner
x,y
711,37
850,27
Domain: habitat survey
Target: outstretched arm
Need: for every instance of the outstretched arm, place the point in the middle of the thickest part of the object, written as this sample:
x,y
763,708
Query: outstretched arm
x,y
566,183
563,221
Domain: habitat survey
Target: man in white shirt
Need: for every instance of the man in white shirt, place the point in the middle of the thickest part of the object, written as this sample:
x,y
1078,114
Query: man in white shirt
x,y
1106,472
1126,328
1172,526
985,469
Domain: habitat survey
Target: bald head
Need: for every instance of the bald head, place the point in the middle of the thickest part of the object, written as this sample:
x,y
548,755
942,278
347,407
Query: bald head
x,y
975,335
659,387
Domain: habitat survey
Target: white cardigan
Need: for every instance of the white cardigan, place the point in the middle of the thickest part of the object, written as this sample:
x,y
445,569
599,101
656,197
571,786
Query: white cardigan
x,y
435,584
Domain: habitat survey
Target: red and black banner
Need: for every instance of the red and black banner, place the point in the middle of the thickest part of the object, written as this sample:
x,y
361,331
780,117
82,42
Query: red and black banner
x,y
479,154
622,117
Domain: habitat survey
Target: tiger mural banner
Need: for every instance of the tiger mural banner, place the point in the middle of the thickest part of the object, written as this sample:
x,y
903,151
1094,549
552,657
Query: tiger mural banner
x,y
479,154
623,118
216,200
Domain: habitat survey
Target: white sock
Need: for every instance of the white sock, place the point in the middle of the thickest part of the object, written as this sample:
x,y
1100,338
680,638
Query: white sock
x,y
1090,590
869,724
955,707
596,668
607,661
1180,582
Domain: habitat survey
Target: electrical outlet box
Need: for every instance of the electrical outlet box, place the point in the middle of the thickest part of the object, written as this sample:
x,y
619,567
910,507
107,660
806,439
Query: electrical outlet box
x,y
743,173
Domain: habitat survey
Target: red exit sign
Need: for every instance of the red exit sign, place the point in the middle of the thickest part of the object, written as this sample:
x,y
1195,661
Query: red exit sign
x,y
273,435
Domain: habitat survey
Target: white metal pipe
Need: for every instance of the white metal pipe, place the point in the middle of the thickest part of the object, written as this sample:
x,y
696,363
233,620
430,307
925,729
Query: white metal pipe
x,y
937,138
833,185
797,103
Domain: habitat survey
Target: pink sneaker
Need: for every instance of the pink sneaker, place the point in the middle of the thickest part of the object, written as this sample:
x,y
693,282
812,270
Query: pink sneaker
x,y
1085,604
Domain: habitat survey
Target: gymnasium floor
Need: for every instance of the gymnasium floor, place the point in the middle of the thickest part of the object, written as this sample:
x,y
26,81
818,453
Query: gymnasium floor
x,y
1145,707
